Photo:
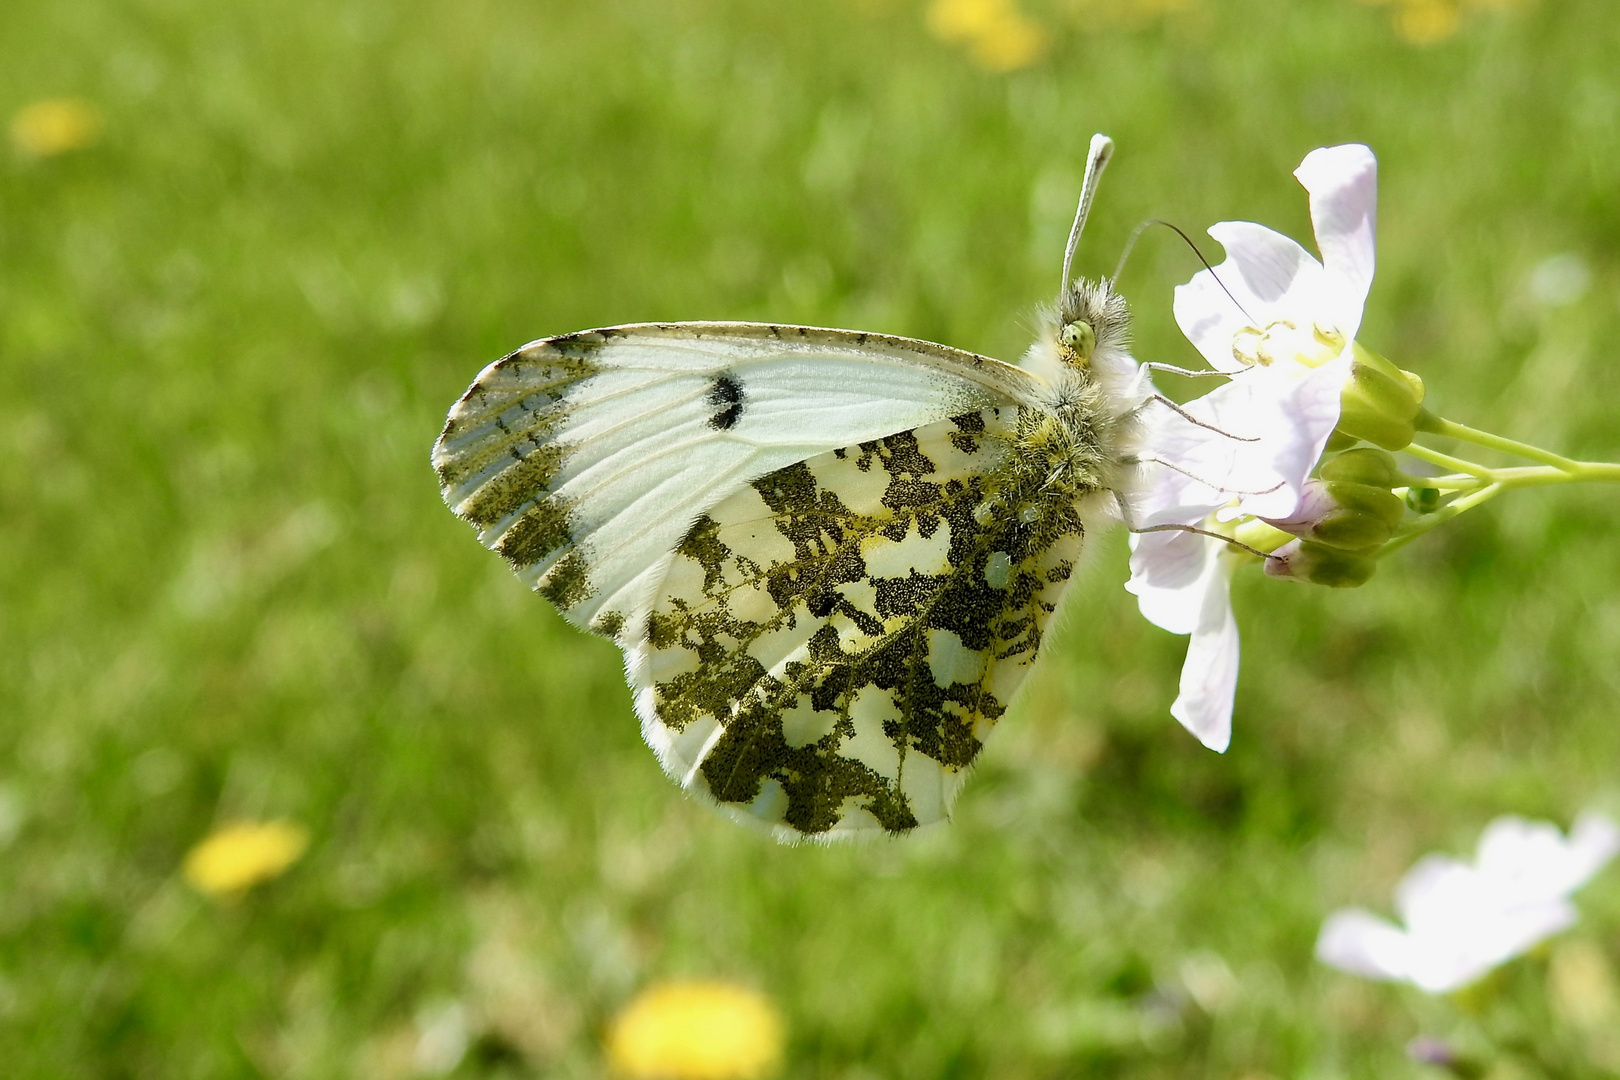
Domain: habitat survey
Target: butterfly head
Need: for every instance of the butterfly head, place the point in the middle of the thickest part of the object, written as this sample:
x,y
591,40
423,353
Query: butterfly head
x,y
1092,322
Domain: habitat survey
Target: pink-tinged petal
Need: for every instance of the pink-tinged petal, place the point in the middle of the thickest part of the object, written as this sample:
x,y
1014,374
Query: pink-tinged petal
x,y
1210,672
1229,451
1165,492
1265,431
1343,184
1306,414
1361,943
1266,277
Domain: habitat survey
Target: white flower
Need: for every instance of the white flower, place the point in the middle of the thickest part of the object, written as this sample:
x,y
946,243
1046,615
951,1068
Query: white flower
x,y
1463,920
1270,302
1281,324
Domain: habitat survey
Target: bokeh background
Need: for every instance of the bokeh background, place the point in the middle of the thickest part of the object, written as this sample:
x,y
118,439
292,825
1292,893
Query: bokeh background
x,y
249,254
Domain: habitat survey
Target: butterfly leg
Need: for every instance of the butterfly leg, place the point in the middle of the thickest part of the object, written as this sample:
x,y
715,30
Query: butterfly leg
x,y
1187,416
1149,459
1132,527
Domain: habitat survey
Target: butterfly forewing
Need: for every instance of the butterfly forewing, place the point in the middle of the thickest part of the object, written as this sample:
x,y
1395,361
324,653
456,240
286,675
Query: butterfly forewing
x,y
831,643
584,459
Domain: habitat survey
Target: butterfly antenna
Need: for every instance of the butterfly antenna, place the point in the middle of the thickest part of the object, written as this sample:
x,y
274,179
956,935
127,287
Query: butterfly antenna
x,y
1102,148
1136,234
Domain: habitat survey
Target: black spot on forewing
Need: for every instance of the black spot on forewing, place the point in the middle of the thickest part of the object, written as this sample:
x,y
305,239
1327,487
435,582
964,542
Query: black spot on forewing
x,y
726,395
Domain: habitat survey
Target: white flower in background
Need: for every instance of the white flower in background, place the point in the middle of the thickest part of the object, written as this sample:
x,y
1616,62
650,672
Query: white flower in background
x,y
1462,920
1282,326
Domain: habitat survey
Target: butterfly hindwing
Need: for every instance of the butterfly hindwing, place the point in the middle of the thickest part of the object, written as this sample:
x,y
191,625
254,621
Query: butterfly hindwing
x,y
584,459
830,644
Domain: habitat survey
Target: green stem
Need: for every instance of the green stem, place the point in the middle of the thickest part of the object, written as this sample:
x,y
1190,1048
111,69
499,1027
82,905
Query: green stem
x,y
1446,461
1439,425
1456,482
1443,515
1499,480
1571,472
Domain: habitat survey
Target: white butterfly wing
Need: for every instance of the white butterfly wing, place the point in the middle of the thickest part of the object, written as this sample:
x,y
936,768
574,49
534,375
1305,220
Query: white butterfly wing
x,y
780,527
584,459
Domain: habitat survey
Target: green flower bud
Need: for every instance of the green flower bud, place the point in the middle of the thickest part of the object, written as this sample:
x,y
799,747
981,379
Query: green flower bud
x,y
1423,500
1380,402
1362,466
1320,565
1337,441
1345,515
1366,517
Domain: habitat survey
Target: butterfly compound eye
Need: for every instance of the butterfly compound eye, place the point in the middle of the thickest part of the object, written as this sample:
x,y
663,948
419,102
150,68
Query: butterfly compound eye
x,y
1080,340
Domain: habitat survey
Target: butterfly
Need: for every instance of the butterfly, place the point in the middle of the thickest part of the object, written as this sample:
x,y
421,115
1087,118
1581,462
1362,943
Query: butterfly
x,y
829,556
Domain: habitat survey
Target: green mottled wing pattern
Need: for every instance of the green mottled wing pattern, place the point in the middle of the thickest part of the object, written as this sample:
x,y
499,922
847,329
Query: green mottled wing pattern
x,y
832,642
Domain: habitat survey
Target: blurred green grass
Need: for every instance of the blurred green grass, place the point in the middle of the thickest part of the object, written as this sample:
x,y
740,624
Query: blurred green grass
x,y
229,332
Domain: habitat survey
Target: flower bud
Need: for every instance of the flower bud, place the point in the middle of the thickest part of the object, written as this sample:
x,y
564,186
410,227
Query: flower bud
x,y
1423,500
1342,514
1363,465
1320,565
1337,441
1380,402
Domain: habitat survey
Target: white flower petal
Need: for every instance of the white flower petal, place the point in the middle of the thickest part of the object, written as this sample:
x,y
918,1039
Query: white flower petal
x,y
1210,318
1594,840
1305,412
1209,674
1266,431
1434,890
1170,576
1343,185
1531,861
1480,938
1361,943
1265,277
1463,919
1274,274
1527,859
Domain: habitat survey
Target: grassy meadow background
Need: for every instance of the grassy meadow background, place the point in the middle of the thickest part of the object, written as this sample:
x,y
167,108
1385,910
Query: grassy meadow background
x,y
231,325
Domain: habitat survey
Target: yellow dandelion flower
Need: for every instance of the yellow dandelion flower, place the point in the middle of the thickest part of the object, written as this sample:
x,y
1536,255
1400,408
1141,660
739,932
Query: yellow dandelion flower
x,y
55,126
235,857
998,36
696,1031
1014,43
1424,22
966,20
